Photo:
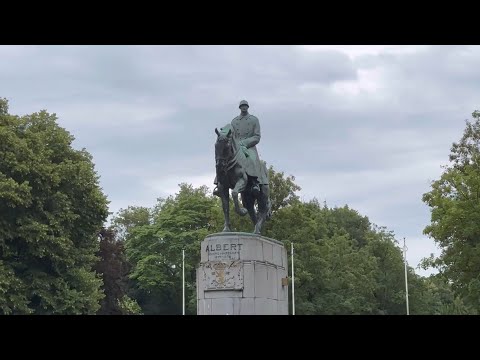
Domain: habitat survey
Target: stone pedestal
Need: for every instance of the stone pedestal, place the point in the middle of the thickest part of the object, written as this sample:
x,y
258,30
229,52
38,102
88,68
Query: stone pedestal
x,y
242,274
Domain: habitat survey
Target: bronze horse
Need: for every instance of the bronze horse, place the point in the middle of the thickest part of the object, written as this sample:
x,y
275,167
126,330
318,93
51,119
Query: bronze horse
x,y
231,175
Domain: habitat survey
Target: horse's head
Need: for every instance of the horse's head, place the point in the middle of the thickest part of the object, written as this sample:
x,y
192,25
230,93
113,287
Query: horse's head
x,y
223,148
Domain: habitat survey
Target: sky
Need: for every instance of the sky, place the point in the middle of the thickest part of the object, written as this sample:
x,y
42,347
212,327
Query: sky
x,y
364,126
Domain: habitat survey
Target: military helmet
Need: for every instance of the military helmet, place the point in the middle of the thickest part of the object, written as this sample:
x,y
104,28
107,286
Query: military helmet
x,y
243,102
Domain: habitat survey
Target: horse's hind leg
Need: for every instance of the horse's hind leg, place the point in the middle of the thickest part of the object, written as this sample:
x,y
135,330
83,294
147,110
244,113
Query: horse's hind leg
x,y
268,204
263,208
248,202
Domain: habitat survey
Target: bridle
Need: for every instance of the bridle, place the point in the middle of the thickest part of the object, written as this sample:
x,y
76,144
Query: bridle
x,y
225,164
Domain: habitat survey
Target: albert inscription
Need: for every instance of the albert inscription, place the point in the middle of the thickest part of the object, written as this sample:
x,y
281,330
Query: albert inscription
x,y
223,251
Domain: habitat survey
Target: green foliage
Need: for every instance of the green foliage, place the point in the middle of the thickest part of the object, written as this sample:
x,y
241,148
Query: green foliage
x,y
333,273
389,272
53,262
126,219
113,268
436,296
129,306
51,208
343,263
154,247
455,209
155,251
13,299
282,189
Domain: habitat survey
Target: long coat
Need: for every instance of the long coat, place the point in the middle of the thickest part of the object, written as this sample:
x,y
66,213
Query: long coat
x,y
247,130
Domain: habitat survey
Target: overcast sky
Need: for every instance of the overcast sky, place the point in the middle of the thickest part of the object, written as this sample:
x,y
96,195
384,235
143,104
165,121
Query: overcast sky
x,y
367,126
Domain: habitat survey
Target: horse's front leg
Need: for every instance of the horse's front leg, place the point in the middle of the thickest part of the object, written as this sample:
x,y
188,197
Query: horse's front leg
x,y
225,196
240,186
260,221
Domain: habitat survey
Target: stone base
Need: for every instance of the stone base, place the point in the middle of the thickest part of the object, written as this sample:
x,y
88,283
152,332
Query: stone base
x,y
241,274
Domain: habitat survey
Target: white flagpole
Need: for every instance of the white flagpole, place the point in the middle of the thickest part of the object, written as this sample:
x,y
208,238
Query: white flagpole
x,y
406,281
183,281
293,286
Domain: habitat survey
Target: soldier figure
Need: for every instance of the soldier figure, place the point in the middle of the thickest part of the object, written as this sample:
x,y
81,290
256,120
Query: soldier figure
x,y
247,129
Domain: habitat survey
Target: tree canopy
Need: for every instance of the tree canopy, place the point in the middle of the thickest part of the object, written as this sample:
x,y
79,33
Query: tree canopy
x,y
58,257
51,209
455,212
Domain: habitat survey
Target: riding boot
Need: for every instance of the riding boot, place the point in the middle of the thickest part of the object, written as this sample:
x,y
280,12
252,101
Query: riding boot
x,y
255,188
215,191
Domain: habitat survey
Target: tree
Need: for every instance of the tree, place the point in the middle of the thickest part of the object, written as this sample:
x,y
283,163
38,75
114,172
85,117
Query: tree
x,y
179,222
51,209
455,209
332,275
123,224
282,189
114,268
435,296
349,220
344,264
389,272
155,251
127,219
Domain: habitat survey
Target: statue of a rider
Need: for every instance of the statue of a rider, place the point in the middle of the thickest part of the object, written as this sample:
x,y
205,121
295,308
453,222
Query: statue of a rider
x,y
246,128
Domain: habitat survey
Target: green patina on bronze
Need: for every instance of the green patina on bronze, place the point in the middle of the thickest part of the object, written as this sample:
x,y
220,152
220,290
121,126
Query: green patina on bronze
x,y
239,168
